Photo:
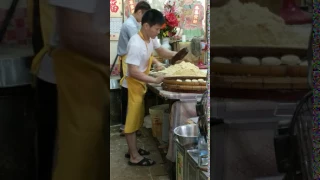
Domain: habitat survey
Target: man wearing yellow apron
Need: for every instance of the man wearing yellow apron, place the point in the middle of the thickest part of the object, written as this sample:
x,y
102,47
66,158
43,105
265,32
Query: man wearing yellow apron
x,y
139,60
81,64
129,28
46,111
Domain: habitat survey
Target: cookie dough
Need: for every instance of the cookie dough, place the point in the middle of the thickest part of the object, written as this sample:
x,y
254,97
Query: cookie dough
x,y
290,60
304,63
250,61
271,61
221,60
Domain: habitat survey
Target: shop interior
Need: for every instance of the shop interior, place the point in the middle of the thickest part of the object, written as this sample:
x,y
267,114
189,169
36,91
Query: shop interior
x,y
261,90
260,121
176,111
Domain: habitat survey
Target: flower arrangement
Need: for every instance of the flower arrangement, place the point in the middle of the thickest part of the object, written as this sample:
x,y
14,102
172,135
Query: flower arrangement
x,y
171,15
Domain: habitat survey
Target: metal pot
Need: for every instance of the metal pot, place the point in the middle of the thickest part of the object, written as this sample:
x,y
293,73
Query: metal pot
x,y
187,134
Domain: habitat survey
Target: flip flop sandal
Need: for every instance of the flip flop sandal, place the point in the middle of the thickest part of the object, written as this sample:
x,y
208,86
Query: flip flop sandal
x,y
142,152
143,162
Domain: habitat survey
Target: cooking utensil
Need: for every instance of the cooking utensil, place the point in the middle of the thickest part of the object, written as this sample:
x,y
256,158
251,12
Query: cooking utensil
x,y
187,134
180,55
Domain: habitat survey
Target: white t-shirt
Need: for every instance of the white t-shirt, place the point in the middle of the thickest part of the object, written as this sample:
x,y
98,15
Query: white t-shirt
x,y
46,71
139,54
96,7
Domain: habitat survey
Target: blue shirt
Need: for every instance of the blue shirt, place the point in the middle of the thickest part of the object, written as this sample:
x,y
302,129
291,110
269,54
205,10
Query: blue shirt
x,y
129,28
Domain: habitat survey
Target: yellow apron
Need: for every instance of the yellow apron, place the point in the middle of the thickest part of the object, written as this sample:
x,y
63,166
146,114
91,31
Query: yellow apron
x,y
46,21
136,92
47,15
83,89
124,65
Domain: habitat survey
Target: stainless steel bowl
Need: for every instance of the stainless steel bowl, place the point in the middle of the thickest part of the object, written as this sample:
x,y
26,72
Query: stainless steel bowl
x,y
187,134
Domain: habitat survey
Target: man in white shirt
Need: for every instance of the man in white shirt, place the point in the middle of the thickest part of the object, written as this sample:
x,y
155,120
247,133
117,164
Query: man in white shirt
x,y
139,60
82,66
129,28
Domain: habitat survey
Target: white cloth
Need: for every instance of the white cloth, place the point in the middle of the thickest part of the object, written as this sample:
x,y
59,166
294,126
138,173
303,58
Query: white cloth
x,y
46,72
139,54
180,113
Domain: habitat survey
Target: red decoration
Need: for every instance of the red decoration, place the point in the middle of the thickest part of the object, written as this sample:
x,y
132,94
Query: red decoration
x,y
113,6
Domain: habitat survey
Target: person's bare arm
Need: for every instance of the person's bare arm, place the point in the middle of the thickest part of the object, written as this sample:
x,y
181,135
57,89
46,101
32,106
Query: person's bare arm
x,y
135,73
156,61
77,33
165,53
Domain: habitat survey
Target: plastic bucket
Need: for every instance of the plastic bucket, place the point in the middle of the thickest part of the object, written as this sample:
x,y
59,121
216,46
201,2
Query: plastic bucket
x,y
160,117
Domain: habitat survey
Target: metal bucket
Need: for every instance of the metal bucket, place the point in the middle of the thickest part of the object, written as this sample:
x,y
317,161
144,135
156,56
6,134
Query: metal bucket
x,y
187,134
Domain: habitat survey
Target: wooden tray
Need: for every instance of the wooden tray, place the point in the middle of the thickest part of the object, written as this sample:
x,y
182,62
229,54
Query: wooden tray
x,y
265,83
259,52
256,51
156,74
173,81
242,69
259,94
171,84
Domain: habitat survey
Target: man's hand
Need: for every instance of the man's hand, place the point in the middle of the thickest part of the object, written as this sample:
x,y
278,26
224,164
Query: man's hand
x,y
159,79
159,67
173,53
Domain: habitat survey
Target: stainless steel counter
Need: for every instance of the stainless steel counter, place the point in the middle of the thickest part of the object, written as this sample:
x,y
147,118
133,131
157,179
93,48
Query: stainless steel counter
x,y
193,155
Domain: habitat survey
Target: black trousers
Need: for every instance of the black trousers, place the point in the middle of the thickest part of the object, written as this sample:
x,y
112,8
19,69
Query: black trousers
x,y
46,119
124,99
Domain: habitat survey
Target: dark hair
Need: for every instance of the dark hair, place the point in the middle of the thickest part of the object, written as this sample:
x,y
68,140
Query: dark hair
x,y
142,5
153,17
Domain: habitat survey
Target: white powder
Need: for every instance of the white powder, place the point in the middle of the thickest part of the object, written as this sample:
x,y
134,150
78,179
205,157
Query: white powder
x,y
252,25
183,69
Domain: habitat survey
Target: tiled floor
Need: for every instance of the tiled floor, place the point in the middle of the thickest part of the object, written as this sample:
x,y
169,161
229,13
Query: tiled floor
x,y
119,168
